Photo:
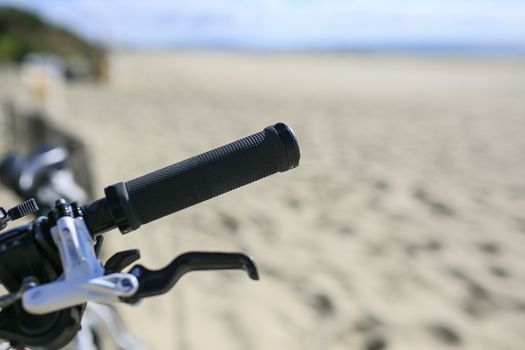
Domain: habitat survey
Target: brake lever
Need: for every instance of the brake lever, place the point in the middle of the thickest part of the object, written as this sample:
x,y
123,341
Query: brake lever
x,y
156,282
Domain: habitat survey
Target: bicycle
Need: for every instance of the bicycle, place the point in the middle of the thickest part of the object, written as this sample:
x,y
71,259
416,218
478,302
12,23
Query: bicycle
x,y
50,266
45,162
57,165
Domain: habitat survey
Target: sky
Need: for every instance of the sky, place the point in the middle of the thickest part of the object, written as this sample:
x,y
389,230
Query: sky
x,y
293,24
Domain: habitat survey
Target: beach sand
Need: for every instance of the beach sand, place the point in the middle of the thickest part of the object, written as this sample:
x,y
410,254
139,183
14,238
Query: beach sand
x,y
402,228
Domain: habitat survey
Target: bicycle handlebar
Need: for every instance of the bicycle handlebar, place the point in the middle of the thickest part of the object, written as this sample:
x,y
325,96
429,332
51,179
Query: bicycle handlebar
x,y
175,187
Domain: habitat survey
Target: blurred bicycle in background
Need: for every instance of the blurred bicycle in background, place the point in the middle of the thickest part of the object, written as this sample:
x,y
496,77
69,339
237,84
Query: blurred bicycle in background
x,y
46,162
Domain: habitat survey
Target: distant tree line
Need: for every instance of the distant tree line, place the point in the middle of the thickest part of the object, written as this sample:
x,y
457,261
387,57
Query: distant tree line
x,y
23,32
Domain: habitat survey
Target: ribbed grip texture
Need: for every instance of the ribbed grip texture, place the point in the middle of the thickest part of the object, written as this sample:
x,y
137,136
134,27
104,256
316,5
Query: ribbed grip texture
x,y
207,175
23,209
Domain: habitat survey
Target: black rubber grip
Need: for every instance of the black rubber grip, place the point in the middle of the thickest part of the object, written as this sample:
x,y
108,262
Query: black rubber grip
x,y
191,181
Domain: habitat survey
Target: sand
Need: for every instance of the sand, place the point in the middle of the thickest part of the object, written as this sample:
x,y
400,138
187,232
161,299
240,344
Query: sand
x,y
402,228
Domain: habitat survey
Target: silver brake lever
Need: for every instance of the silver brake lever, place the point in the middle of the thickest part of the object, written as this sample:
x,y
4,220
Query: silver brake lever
x,y
84,276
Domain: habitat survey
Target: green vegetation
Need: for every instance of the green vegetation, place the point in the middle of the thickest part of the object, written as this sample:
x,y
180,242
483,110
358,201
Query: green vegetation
x,y
22,32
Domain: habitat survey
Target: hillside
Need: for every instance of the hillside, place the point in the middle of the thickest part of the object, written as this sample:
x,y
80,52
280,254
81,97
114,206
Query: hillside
x,y
23,32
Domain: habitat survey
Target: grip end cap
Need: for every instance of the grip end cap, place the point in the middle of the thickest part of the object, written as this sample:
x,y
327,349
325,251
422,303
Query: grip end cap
x,y
290,144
